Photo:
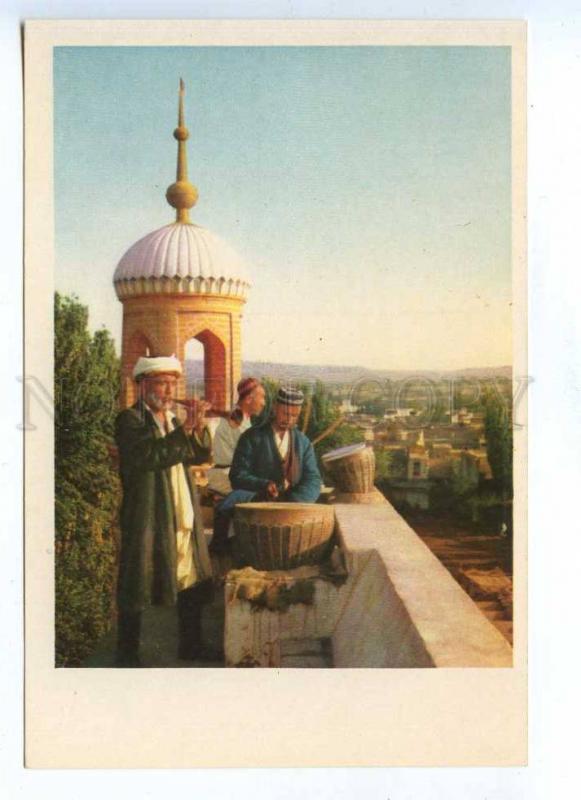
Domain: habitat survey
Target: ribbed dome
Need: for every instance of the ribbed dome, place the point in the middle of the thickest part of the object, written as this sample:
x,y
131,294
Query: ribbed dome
x,y
181,258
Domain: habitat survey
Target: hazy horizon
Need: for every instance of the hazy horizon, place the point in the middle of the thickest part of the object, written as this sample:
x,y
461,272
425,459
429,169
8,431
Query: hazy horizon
x,y
480,367
367,188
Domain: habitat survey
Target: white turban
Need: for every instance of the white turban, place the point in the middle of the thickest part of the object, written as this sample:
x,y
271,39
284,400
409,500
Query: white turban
x,y
149,364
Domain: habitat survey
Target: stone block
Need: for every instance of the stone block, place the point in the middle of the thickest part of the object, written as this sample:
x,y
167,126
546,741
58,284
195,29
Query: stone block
x,y
297,647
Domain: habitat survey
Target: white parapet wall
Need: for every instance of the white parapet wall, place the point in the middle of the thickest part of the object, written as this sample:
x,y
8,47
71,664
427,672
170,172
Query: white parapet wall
x,y
399,607
404,608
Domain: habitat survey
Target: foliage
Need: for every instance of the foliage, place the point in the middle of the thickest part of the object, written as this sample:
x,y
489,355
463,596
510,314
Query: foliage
x,y
491,510
456,493
86,484
323,414
270,390
463,481
383,464
398,461
498,431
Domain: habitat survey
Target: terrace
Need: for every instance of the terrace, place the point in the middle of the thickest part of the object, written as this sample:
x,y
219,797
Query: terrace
x,y
397,606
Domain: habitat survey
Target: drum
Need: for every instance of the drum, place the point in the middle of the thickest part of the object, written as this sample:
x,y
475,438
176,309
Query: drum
x,y
351,469
280,536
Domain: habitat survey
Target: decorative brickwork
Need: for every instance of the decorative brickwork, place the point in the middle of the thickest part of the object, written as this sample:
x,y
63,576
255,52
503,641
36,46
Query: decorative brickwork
x,y
164,324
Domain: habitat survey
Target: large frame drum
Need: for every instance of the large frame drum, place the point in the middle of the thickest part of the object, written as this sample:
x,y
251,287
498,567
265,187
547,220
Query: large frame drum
x,y
281,536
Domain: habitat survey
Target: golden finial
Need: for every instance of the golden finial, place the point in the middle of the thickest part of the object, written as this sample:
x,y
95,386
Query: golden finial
x,y
182,195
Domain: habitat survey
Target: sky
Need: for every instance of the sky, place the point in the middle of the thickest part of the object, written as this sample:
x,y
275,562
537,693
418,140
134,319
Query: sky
x,y
367,188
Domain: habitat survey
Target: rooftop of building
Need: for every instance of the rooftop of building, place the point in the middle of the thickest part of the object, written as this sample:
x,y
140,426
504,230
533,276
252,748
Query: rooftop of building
x,y
182,257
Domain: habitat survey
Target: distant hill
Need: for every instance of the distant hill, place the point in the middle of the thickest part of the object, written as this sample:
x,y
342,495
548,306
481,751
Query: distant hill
x,y
340,375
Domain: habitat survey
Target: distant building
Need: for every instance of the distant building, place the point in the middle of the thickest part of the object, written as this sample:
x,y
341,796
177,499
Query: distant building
x,y
464,417
399,413
439,453
441,449
413,489
418,460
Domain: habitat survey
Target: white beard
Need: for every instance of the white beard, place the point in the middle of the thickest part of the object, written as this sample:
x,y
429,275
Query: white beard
x,y
156,404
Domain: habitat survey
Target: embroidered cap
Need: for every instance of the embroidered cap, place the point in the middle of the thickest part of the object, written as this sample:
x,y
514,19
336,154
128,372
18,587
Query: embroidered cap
x,y
246,387
288,396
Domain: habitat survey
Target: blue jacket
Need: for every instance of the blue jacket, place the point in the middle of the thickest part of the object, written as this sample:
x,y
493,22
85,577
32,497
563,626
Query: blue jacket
x,y
257,462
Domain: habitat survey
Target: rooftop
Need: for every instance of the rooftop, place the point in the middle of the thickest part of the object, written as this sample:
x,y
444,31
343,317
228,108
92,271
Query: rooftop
x,y
181,258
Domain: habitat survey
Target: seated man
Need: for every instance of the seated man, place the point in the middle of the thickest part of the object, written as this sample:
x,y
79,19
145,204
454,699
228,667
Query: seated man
x,y
251,399
274,461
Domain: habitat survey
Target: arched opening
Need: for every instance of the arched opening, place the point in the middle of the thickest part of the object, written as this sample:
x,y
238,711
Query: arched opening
x,y
205,367
194,368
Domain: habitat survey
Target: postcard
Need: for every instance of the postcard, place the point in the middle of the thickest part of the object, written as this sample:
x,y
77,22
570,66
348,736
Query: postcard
x,y
276,393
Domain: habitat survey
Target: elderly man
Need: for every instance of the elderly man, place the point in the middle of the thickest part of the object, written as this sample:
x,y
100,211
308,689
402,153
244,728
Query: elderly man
x,y
164,557
274,461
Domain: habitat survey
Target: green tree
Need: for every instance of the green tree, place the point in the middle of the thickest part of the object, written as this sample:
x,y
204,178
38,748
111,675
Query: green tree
x,y
86,483
323,413
383,465
498,432
463,481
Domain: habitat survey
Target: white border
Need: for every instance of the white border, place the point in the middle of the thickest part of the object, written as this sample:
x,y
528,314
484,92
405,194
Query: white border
x,y
554,133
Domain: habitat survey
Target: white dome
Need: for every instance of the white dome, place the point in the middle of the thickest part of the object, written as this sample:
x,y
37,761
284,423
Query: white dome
x,y
182,258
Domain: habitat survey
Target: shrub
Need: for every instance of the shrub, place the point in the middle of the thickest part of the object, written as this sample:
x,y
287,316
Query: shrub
x,y
86,483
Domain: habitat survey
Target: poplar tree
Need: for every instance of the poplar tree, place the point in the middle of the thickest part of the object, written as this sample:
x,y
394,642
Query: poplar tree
x,y
498,431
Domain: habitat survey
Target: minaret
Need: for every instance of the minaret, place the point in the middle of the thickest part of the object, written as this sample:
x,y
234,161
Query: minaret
x,y
182,282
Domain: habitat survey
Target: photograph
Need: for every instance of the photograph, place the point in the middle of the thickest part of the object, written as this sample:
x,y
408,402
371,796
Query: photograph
x,y
295,381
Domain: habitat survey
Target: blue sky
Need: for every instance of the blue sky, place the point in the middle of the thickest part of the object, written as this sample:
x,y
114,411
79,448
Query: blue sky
x,y
367,188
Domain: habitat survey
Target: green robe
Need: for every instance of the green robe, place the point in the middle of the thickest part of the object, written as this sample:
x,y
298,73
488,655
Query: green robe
x,y
147,564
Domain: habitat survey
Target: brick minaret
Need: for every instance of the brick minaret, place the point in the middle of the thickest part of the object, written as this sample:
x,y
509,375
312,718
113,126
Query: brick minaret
x,y
182,282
